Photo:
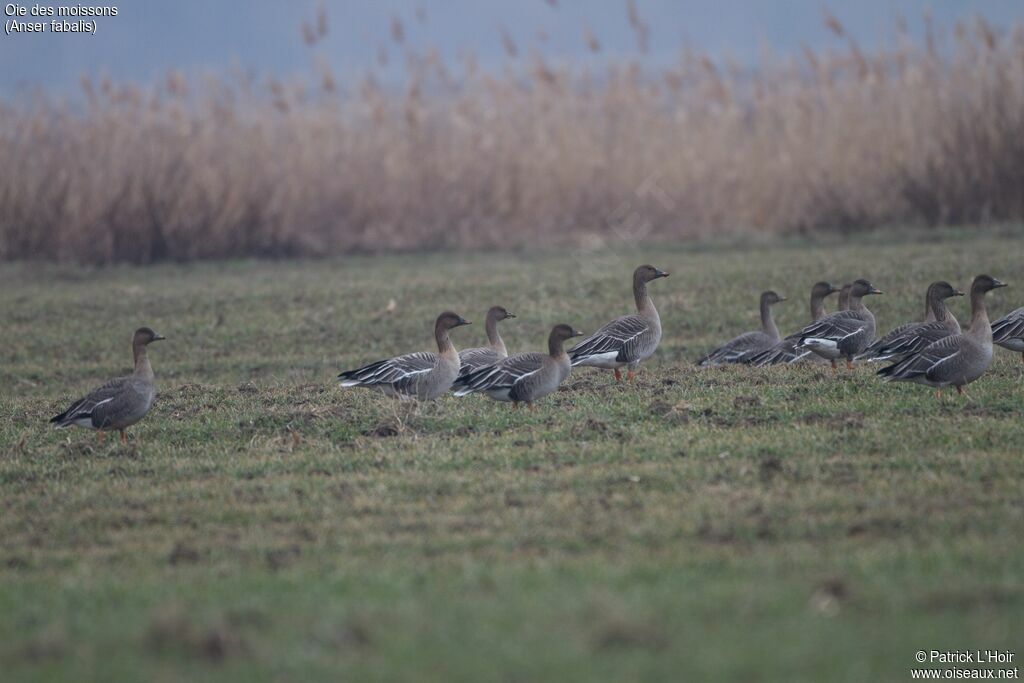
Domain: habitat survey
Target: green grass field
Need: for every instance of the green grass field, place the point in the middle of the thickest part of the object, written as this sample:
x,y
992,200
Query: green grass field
x,y
264,524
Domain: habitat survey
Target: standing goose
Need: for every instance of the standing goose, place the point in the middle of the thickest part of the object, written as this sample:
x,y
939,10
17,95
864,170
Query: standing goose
x,y
958,359
785,351
628,340
483,356
910,338
422,375
844,333
121,402
1008,331
525,377
737,349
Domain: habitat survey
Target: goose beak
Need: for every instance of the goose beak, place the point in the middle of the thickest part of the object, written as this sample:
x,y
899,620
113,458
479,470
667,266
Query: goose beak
x,y
997,283
782,298
957,292
662,273
158,337
463,321
875,290
509,315
577,333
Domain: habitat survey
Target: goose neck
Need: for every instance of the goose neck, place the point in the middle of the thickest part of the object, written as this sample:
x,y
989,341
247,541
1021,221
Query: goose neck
x,y
143,368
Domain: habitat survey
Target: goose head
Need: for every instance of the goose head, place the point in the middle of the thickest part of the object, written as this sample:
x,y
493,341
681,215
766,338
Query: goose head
x,y
985,283
498,313
940,290
563,332
646,273
449,320
144,336
863,287
820,290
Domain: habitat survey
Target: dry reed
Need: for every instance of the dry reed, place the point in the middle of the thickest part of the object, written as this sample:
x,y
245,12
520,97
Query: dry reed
x,y
535,154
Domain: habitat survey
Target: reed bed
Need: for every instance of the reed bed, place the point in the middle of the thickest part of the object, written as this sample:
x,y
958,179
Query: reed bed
x,y
539,152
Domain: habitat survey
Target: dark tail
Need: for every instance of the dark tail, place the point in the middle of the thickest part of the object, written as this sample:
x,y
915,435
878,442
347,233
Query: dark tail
x,y
888,370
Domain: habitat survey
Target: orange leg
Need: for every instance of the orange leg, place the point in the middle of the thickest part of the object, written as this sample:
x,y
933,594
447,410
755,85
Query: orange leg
x,y
938,394
124,437
1022,357
960,390
631,375
515,405
99,435
618,375
833,362
849,364
531,407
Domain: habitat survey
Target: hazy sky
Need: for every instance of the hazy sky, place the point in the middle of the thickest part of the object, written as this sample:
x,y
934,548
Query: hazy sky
x,y
148,37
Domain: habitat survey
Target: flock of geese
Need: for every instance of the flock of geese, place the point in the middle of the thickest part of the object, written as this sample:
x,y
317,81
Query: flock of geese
x,y
935,352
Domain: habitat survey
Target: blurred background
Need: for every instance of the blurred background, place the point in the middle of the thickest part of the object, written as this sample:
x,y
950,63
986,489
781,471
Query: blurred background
x,y
186,130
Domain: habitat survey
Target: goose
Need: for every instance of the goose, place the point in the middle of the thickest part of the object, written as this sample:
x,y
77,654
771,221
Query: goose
x,y
749,343
483,356
422,375
958,359
628,340
909,338
844,333
785,351
1008,331
525,377
121,402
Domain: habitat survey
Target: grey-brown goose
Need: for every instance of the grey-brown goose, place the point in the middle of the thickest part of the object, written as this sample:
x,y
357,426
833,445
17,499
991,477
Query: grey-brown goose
x,y
121,402
910,338
1008,331
628,340
958,359
422,375
525,377
483,356
738,348
843,334
785,351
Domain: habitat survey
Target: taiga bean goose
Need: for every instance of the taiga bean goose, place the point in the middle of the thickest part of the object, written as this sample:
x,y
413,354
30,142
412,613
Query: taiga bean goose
x,y
422,375
843,334
121,402
628,340
525,377
749,343
785,351
910,338
958,359
483,356
1008,331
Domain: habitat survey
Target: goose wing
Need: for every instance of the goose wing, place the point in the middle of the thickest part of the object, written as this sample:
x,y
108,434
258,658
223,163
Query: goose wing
x,y
474,359
737,349
785,351
95,402
400,371
913,340
505,373
1010,326
621,337
925,361
872,350
835,327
